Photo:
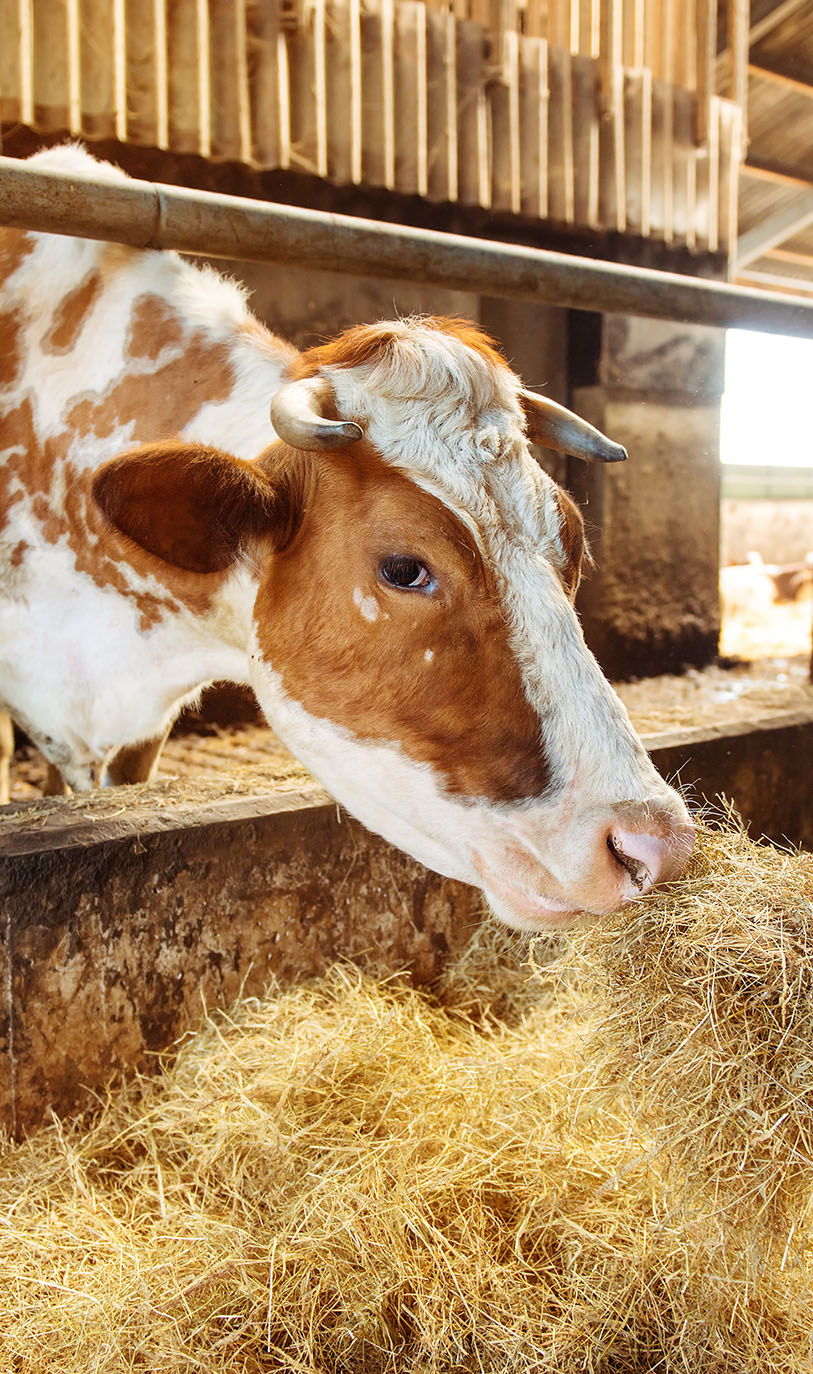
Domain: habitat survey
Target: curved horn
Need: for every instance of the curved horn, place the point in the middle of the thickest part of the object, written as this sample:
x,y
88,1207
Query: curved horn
x,y
553,426
296,414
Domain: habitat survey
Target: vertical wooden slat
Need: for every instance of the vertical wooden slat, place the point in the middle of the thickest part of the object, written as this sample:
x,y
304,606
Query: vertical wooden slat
x,y
559,23
682,171
50,65
26,22
182,75
612,194
378,85
241,78
638,148
474,169
441,97
711,179
730,136
388,88
140,73
585,125
410,86
505,129
161,60
344,92
705,19
96,91
662,194
534,98
10,105
72,16
119,40
204,87
738,42
560,142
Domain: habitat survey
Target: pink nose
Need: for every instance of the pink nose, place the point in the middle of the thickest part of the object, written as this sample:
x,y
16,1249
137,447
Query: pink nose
x,y
647,845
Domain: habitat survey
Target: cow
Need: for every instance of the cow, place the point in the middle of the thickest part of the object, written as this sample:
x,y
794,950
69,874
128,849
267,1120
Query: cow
x,y
360,532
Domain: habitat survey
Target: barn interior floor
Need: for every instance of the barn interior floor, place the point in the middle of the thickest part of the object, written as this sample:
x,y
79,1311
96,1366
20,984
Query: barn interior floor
x,y
715,698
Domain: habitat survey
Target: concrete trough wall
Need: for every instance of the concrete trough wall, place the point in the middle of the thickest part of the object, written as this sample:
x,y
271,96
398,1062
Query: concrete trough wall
x,y
124,919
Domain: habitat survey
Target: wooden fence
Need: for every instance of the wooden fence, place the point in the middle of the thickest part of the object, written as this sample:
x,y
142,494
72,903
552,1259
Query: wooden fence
x,y
589,113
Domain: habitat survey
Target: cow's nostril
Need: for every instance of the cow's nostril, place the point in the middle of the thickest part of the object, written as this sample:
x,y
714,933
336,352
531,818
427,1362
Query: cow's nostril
x,y
636,869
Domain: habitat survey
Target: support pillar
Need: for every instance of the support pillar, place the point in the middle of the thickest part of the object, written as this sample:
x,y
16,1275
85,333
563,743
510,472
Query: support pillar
x,y
652,603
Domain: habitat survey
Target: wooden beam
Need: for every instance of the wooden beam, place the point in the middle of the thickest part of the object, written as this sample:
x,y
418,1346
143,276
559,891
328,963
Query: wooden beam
x,y
780,78
764,26
739,42
764,170
773,230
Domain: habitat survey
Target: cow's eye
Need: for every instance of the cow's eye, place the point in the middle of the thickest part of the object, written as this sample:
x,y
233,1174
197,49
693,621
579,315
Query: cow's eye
x,y
406,573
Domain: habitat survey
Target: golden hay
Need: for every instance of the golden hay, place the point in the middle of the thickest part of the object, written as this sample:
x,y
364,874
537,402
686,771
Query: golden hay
x,y
601,1164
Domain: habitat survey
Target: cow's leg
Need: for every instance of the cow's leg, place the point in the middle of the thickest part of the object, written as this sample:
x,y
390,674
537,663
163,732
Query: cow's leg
x,y
55,784
135,763
6,755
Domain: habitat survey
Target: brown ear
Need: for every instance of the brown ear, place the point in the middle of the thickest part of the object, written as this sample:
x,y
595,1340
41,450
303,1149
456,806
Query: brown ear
x,y
192,506
571,534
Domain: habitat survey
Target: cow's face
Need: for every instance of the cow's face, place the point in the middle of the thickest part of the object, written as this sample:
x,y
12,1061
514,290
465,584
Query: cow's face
x,y
414,640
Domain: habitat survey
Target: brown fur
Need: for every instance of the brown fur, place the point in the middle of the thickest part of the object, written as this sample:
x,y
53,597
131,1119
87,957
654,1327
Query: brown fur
x,y
360,344
71,315
465,713
573,542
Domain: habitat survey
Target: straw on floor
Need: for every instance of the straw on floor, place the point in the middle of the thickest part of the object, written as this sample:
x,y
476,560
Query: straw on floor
x,y
601,1163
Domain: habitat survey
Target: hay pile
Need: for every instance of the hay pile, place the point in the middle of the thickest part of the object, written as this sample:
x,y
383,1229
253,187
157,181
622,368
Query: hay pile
x,y
600,1164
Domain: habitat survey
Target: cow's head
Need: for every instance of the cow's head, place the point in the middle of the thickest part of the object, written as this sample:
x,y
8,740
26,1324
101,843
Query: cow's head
x,y
413,635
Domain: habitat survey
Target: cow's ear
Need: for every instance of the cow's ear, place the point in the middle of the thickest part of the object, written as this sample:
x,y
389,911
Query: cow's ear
x,y
193,506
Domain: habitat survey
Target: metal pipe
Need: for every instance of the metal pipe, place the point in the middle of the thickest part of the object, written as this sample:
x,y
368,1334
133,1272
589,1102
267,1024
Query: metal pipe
x,y
151,215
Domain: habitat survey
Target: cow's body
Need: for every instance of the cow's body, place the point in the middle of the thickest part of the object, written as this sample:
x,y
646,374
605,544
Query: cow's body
x,y
400,602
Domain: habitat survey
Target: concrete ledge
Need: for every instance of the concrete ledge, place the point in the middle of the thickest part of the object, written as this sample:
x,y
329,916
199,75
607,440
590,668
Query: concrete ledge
x,y
125,912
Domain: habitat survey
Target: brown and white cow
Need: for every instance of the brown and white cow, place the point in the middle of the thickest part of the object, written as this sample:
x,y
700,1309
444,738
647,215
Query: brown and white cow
x,y
393,574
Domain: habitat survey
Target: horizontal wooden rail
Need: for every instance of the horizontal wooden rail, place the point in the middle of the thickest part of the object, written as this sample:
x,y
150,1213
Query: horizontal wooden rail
x,y
147,215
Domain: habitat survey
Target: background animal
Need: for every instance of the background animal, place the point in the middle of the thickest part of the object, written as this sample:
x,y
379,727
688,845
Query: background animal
x,y
387,567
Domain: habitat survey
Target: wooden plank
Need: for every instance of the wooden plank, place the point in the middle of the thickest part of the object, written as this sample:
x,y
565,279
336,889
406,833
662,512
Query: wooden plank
x,y
182,60
705,72
707,170
140,73
410,173
506,190
559,23
586,190
204,90
96,68
73,52
738,12
638,147
378,94
730,133
661,202
612,157
344,92
264,35
50,65
474,163
683,174
534,102
161,58
560,143
10,105
441,97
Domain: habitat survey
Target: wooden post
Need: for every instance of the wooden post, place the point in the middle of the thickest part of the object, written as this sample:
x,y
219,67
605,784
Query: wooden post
x,y
441,97
534,98
705,65
739,43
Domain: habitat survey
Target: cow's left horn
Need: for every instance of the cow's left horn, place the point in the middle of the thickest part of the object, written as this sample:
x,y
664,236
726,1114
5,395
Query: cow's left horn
x,y
296,414
553,426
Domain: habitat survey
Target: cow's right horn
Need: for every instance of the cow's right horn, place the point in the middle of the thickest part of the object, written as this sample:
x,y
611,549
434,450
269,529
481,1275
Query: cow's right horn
x,y
296,414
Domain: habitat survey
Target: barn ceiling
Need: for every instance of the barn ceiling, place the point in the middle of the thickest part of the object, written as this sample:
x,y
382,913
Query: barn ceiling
x,y
775,237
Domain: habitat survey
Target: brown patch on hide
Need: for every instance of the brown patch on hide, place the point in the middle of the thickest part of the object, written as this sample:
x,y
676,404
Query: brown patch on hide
x,y
464,712
571,533
18,553
153,327
15,246
11,353
162,402
71,314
